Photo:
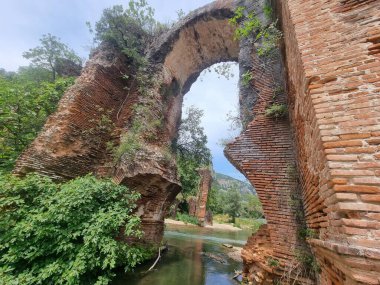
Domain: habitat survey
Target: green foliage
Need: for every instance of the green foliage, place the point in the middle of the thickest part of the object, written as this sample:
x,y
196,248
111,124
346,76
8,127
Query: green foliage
x,y
308,262
249,223
268,11
221,202
273,262
191,149
129,146
277,90
277,111
186,218
130,29
189,177
251,206
33,73
270,37
24,107
247,78
306,233
66,233
233,205
248,24
221,218
223,69
51,53
192,142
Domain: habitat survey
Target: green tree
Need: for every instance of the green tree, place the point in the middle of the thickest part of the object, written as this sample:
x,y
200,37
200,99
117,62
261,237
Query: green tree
x,y
215,201
233,204
24,107
251,206
130,29
66,233
51,53
192,151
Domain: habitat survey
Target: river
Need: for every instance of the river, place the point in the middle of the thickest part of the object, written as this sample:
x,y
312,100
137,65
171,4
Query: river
x,y
190,259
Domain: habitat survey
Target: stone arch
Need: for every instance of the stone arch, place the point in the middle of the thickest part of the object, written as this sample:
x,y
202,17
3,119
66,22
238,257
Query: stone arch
x,y
333,98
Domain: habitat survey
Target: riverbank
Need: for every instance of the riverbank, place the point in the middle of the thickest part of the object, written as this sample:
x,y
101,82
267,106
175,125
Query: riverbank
x,y
215,226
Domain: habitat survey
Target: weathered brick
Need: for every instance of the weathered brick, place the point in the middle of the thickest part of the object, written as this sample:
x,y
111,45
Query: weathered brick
x,y
338,144
370,198
367,180
354,231
344,157
348,206
348,172
357,188
355,136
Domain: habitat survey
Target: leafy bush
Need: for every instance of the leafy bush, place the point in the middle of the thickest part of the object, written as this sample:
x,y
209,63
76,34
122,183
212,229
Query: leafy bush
x,y
248,223
186,218
130,29
277,111
221,218
25,104
249,24
66,233
130,144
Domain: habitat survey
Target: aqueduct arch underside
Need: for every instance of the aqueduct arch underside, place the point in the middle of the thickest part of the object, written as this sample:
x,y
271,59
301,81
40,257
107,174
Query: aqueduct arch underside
x,y
331,69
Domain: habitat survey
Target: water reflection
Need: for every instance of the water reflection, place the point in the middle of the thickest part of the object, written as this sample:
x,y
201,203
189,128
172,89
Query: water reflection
x,y
185,263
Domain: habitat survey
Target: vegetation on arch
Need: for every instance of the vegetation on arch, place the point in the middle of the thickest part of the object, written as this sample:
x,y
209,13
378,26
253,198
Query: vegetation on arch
x,y
66,233
261,31
131,29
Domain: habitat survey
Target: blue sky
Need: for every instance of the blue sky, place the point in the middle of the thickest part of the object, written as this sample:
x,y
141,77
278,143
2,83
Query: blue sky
x,y
23,22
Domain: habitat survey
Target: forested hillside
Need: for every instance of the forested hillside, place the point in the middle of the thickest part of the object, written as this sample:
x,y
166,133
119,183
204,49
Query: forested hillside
x,y
225,182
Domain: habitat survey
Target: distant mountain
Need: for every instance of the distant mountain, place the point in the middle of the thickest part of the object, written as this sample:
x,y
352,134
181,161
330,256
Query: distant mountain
x,y
225,182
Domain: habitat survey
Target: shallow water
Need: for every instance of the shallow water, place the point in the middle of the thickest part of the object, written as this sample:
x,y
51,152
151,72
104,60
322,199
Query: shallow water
x,y
185,264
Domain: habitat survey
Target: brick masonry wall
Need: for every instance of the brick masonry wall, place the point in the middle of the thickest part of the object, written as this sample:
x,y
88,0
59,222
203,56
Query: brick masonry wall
x,y
264,154
332,53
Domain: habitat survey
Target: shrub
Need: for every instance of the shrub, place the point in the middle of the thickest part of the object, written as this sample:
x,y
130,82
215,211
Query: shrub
x,y
277,111
249,223
246,78
221,218
273,262
66,233
186,218
130,144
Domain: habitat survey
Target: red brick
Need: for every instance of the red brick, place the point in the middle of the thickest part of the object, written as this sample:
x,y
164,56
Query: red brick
x,y
370,198
342,144
343,157
349,206
357,188
355,136
344,172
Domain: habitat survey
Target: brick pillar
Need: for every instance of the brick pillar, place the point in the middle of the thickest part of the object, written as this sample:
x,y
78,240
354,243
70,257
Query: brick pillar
x,y
203,189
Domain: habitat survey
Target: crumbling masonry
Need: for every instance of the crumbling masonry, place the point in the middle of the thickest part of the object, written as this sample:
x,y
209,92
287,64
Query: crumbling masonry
x,y
317,171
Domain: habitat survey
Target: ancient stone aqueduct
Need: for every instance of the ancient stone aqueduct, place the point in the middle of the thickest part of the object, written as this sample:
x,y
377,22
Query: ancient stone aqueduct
x,y
330,66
